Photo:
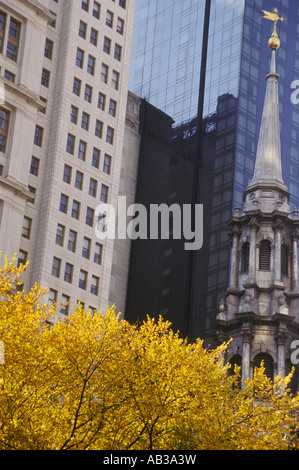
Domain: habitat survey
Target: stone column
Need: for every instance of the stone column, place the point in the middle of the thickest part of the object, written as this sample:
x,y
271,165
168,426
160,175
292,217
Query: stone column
x,y
281,341
252,260
235,233
277,259
247,337
295,262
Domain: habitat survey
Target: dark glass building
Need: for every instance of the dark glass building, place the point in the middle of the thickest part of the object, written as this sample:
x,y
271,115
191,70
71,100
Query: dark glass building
x,y
207,73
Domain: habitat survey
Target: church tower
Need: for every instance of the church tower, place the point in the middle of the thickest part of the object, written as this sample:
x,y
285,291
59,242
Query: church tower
x,y
261,309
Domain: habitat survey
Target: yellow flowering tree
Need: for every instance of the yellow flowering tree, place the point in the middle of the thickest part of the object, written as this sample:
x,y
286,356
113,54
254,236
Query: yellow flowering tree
x,y
95,381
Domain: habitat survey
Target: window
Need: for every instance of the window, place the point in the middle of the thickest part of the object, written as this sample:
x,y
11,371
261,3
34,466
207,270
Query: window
x,y
245,257
67,172
68,273
13,39
82,29
76,86
96,10
101,223
88,93
4,124
85,5
65,301
79,58
92,187
104,73
93,37
110,135
97,257
22,257
265,255
112,108
70,144
120,26
101,101
82,279
33,192
34,166
85,121
38,136
107,45
99,129
91,65
45,80
56,267
79,180
74,115
72,241
94,286
76,210
109,19
52,297
117,52
82,150
95,158
284,260
2,29
48,53
122,3
115,80
104,193
63,203
10,76
86,248
89,216
59,235
26,229
107,164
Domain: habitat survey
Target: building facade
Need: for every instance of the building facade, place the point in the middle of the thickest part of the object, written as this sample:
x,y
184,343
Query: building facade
x,y
236,64
64,76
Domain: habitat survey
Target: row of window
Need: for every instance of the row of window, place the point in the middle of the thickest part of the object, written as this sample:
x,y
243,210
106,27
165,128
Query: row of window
x,y
68,276
71,244
264,257
10,31
35,162
90,67
99,125
93,39
88,94
96,11
65,301
76,211
93,184
82,151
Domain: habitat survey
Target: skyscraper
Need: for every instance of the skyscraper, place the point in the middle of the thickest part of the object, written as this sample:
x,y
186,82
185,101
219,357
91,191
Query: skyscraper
x,y
64,76
237,62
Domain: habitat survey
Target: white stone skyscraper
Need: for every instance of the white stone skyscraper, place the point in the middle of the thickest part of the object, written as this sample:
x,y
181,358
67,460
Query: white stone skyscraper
x,y
64,73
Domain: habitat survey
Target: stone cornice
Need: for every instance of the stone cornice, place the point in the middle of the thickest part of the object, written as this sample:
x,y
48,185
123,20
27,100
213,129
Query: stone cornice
x,y
25,93
39,9
18,188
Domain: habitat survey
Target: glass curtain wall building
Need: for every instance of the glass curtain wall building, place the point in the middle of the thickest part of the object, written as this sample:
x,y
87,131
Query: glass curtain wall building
x,y
165,71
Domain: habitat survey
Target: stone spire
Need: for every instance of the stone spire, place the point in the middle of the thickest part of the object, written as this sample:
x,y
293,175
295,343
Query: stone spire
x,y
267,172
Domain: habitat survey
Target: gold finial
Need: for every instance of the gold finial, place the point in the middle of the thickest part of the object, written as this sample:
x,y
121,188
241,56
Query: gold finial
x,y
274,41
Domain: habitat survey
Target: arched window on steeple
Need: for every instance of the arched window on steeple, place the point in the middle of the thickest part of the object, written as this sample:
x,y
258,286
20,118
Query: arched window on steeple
x,y
245,257
265,255
268,364
284,259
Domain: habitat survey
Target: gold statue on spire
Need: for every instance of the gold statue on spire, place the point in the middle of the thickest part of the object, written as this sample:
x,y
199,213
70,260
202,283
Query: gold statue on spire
x,y
274,41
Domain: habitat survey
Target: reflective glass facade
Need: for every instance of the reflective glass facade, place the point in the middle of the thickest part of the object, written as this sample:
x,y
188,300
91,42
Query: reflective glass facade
x,y
165,71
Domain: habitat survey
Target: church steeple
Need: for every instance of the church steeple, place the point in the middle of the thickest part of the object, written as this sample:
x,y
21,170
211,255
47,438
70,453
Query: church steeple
x,y
268,172
261,309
